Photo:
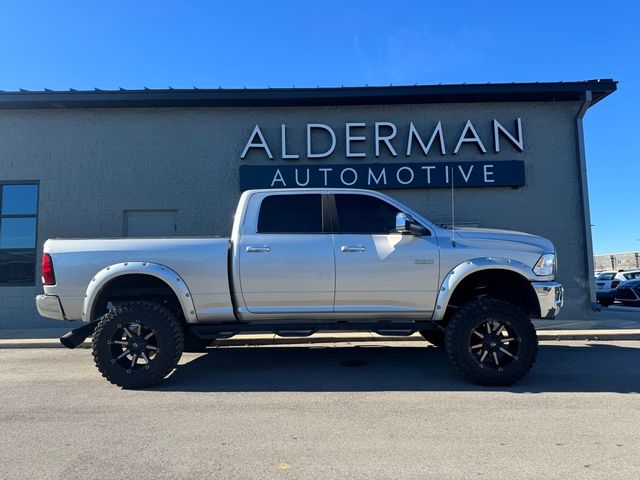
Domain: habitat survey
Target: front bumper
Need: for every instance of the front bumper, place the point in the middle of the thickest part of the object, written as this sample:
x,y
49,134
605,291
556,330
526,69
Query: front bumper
x,y
628,294
606,295
49,306
550,298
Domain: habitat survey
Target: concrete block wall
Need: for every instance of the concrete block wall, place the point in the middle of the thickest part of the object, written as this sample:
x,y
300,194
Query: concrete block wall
x,y
92,164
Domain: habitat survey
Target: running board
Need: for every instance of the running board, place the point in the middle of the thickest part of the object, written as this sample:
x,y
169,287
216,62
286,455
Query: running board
x,y
229,329
395,332
295,333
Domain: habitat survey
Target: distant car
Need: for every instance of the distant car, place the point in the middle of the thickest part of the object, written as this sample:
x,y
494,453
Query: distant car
x,y
608,282
628,293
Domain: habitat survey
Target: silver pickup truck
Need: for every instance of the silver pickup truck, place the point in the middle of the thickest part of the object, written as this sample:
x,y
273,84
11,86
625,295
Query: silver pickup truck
x,y
301,261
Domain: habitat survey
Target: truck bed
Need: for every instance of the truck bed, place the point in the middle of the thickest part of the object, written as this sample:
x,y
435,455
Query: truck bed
x,y
201,263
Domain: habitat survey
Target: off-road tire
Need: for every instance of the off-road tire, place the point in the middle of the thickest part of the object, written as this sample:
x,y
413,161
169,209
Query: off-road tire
x,y
434,337
169,338
459,332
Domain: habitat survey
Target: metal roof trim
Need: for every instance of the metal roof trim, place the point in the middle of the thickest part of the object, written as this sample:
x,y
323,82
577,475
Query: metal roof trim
x,y
320,96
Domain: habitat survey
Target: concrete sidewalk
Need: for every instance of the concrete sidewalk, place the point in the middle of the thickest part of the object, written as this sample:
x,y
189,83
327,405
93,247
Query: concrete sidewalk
x,y
613,323
340,337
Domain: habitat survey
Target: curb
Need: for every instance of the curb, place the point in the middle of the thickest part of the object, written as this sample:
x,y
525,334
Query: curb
x,y
358,337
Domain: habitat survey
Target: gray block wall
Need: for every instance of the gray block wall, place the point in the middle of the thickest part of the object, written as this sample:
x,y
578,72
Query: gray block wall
x,y
92,164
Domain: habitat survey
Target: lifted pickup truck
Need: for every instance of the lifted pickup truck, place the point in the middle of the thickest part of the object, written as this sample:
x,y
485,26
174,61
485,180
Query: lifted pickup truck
x,y
301,261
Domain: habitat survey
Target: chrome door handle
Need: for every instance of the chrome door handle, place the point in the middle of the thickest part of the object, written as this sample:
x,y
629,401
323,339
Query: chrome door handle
x,y
258,249
352,248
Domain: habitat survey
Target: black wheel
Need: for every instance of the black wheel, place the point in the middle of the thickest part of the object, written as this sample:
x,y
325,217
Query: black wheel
x,y
194,344
137,344
491,342
434,337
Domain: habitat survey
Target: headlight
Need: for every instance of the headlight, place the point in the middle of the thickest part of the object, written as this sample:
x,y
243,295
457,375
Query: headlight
x,y
546,265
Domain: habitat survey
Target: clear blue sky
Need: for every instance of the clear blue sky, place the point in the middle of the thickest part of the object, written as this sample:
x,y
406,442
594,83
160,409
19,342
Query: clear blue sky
x,y
181,43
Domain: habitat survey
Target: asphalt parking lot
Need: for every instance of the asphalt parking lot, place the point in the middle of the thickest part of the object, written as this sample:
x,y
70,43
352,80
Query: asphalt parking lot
x,y
383,410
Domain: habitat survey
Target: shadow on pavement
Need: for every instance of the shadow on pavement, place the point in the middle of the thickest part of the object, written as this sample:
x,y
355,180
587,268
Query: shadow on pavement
x,y
560,368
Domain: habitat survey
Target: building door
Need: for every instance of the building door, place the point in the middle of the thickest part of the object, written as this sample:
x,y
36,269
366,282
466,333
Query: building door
x,y
150,223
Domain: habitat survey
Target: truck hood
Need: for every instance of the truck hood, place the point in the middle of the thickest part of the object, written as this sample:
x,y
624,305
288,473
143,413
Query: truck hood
x,y
505,238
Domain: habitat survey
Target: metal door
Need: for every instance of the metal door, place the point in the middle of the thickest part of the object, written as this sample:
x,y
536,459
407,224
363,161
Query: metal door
x,y
149,223
287,265
379,271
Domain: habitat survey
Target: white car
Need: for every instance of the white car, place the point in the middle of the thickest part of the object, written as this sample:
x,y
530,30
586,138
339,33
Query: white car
x,y
607,283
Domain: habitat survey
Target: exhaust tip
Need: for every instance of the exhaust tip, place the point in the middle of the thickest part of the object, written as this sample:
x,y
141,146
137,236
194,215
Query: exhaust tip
x,y
75,337
72,339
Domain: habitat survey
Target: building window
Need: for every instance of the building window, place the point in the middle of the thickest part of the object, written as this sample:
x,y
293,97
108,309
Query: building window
x,y
18,224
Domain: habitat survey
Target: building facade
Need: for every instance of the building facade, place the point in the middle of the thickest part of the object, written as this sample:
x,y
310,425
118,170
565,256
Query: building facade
x,y
616,261
174,162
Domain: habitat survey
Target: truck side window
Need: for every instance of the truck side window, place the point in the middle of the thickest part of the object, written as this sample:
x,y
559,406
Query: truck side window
x,y
364,214
291,214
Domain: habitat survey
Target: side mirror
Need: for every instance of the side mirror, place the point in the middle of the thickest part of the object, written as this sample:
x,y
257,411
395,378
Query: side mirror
x,y
405,224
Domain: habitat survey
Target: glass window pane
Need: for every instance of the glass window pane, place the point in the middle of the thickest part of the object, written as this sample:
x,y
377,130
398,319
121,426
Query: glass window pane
x,y
291,214
17,233
606,276
19,199
17,267
364,214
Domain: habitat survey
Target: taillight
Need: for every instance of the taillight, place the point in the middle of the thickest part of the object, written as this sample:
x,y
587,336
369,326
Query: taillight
x,y
48,277
615,284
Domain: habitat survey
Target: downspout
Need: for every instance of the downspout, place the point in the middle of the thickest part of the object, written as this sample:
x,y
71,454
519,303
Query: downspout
x,y
588,247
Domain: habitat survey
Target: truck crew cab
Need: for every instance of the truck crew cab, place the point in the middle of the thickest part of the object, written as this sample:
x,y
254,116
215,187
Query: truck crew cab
x,y
300,261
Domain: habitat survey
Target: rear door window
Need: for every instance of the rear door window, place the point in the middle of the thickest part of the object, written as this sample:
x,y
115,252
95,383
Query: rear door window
x,y
631,275
291,214
606,276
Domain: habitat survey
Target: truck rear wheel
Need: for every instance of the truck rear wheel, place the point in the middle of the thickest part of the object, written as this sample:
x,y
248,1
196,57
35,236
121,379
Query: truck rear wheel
x,y
492,342
137,344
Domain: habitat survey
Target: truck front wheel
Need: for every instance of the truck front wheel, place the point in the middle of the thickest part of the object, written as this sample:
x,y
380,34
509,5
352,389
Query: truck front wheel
x,y
492,342
137,344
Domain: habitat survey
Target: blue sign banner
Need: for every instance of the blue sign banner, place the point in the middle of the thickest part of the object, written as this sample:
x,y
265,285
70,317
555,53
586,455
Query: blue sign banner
x,y
504,173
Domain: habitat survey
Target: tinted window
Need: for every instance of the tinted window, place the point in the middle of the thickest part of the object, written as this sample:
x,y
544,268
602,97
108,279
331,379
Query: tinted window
x,y
19,199
17,233
364,214
606,276
291,214
17,267
18,220
631,275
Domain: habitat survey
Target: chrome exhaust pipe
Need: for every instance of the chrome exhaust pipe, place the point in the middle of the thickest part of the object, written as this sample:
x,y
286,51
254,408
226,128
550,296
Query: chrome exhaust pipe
x,y
75,337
